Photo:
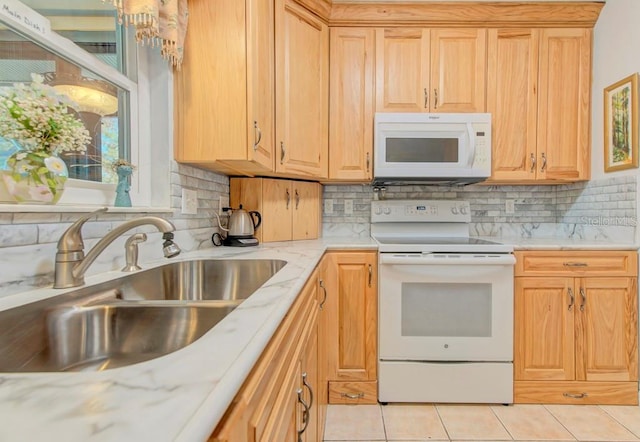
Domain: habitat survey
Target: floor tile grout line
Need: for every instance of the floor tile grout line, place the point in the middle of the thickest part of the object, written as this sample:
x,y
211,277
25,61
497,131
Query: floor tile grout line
x,y
500,420
559,421
442,422
384,424
637,436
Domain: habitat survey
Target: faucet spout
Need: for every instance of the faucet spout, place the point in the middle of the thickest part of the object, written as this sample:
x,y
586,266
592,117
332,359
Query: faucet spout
x,y
71,263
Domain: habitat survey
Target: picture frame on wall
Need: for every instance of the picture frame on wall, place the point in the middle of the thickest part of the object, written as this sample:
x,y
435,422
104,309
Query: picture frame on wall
x,y
621,124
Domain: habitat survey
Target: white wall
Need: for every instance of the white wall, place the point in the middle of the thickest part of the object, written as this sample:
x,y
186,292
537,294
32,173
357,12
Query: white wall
x,y
616,55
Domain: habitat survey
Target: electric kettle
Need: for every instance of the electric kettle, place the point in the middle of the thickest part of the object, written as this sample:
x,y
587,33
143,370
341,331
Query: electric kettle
x,y
242,225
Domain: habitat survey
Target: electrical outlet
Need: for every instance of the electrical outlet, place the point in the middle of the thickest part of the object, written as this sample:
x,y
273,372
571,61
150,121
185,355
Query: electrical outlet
x,y
510,207
222,202
189,202
328,206
348,207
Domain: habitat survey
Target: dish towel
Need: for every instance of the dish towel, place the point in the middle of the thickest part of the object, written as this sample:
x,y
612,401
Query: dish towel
x,y
157,22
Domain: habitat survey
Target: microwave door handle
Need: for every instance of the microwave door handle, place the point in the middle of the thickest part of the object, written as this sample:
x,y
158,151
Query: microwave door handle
x,y
472,145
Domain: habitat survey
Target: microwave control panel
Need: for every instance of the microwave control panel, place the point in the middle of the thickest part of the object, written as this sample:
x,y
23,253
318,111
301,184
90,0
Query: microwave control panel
x,y
482,157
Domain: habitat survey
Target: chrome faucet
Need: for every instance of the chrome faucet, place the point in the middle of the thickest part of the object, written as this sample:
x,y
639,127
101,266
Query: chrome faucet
x,y
71,262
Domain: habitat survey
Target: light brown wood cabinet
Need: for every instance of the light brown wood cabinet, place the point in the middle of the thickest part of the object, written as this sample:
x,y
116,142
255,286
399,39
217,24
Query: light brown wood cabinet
x,y
351,326
351,103
290,210
302,97
539,92
275,402
576,327
430,70
224,111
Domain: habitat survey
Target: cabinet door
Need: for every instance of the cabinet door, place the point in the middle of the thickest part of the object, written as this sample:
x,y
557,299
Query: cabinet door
x,y
323,381
352,316
512,100
458,69
302,80
261,82
351,103
607,329
277,206
310,380
402,70
564,104
544,329
305,210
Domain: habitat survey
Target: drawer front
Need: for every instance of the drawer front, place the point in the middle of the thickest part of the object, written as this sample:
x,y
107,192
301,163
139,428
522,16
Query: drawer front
x,y
359,392
603,393
584,263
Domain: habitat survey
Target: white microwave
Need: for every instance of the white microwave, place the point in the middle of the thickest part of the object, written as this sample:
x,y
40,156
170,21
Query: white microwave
x,y
431,148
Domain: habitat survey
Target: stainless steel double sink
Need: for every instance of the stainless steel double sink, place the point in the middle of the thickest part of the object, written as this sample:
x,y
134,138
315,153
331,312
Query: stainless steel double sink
x,y
132,319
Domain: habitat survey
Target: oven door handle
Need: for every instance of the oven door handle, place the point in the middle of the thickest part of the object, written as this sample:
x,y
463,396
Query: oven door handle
x,y
444,259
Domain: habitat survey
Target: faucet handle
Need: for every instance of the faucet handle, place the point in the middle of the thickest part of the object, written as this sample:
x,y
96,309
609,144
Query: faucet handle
x,y
71,239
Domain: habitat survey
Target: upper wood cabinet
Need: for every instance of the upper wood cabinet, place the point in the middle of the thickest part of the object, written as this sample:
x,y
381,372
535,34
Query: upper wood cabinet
x,y
351,104
302,82
538,92
437,70
290,210
224,92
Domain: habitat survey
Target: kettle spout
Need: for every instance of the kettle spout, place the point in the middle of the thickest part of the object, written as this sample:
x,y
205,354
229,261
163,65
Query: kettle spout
x,y
219,223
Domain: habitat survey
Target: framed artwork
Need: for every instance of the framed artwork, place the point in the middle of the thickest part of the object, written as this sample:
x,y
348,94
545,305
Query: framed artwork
x,y
621,125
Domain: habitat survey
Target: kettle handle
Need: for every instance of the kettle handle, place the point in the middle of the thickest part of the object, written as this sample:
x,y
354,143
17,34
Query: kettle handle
x,y
255,225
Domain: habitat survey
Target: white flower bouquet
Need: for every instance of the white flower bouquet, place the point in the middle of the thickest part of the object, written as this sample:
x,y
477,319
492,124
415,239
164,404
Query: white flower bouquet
x,y
37,118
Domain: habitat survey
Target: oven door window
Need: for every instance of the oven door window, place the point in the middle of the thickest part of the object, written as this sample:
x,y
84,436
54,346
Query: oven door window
x,y
446,309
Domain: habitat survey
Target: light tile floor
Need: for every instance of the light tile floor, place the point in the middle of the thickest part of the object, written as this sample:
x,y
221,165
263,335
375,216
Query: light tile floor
x,y
428,422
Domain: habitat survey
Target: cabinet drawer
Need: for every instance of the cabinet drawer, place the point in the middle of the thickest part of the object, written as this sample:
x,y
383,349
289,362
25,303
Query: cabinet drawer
x,y
605,393
583,263
365,392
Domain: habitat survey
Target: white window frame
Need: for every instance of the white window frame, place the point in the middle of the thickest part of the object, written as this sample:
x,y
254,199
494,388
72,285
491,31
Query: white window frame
x,y
88,193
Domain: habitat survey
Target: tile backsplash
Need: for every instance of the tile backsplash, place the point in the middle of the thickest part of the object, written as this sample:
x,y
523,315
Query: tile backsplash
x,y
596,209
28,240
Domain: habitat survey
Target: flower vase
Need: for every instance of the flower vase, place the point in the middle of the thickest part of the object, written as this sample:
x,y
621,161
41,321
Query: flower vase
x,y
122,189
35,177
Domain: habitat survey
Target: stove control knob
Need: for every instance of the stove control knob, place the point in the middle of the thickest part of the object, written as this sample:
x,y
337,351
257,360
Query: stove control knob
x,y
463,210
387,211
378,210
454,210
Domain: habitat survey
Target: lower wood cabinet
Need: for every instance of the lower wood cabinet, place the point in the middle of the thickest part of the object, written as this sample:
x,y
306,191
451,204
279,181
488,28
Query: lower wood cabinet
x,y
576,327
279,400
351,310
290,209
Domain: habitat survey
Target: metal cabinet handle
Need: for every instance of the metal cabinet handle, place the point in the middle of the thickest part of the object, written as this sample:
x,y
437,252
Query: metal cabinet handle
x,y
282,152
288,197
304,382
575,395
435,98
368,161
370,274
575,264
305,415
297,198
533,163
324,298
352,395
544,162
583,295
572,298
426,98
258,136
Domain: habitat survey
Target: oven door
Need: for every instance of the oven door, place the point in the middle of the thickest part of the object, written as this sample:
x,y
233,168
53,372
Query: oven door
x,y
446,307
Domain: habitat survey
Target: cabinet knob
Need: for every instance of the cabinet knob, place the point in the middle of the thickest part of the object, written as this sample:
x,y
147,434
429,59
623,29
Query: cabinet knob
x,y
257,136
533,163
544,162
426,98
435,98
282,152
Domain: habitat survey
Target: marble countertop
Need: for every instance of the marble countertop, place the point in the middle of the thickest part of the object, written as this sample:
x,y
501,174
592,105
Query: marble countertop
x,y
183,395
177,397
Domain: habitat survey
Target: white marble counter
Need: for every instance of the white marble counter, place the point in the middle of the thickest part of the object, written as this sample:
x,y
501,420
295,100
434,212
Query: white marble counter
x,y
554,243
177,397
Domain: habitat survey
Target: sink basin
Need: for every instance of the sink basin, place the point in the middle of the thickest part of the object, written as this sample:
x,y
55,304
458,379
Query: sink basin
x,y
200,280
131,319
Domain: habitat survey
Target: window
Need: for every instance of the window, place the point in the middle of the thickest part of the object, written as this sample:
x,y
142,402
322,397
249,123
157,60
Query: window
x,y
85,51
